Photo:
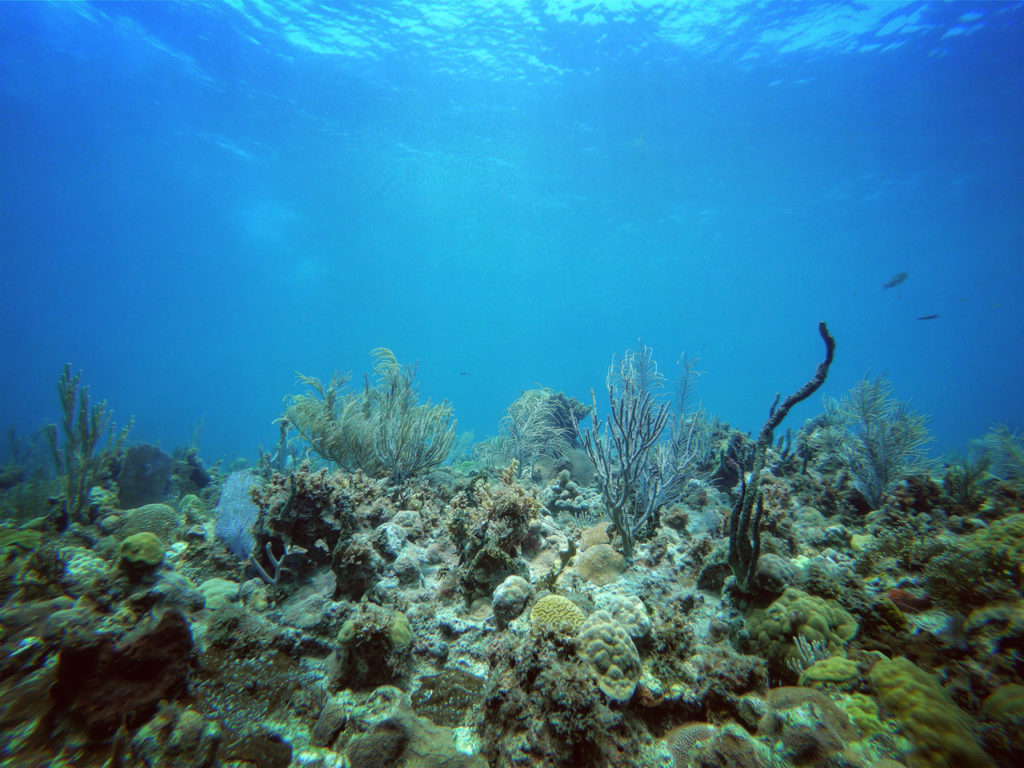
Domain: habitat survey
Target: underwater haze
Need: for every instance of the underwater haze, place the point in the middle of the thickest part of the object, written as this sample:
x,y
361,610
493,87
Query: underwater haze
x,y
199,200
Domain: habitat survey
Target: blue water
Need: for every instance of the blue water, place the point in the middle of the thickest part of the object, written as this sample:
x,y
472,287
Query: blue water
x,y
198,200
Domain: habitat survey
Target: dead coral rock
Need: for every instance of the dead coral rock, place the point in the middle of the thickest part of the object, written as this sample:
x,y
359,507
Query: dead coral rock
x,y
916,495
790,706
390,735
176,737
357,567
311,510
715,677
329,723
23,619
773,574
449,697
99,682
541,700
380,747
809,745
260,747
373,648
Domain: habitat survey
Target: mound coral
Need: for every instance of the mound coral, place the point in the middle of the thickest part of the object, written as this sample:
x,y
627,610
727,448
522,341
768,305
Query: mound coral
x,y
940,731
607,647
796,613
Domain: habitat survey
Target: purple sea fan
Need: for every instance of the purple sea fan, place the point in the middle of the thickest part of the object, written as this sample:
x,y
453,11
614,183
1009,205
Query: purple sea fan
x,y
236,513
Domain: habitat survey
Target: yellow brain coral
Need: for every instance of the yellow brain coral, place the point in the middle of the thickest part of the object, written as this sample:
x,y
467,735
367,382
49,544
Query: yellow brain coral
x,y
557,613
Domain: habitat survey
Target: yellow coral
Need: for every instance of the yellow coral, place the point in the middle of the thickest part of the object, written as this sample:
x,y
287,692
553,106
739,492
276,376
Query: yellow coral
x,y
143,550
556,613
863,713
940,731
834,669
1006,705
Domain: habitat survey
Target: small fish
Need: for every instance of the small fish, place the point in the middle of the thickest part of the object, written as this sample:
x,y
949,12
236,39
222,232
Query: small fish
x,y
928,317
463,373
895,280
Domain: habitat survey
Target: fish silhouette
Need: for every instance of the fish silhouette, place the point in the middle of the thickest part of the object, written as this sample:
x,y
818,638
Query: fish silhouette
x,y
928,317
895,280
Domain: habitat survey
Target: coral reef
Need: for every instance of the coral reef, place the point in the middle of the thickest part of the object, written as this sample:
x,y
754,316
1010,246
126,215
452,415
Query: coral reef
x,y
373,610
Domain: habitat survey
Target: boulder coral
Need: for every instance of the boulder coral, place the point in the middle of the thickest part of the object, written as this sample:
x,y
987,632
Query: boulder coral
x,y
941,733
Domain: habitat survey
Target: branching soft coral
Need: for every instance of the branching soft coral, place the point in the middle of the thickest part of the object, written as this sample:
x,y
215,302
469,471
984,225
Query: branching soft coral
x,y
883,440
383,430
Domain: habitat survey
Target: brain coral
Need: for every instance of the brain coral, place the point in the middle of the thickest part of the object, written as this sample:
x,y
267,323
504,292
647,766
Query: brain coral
x,y
611,654
160,519
682,739
557,613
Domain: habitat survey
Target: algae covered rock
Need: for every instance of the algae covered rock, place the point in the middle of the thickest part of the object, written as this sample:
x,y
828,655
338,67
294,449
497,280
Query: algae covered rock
x,y
1004,730
510,599
19,539
101,683
177,736
388,734
984,566
373,648
542,705
1006,705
